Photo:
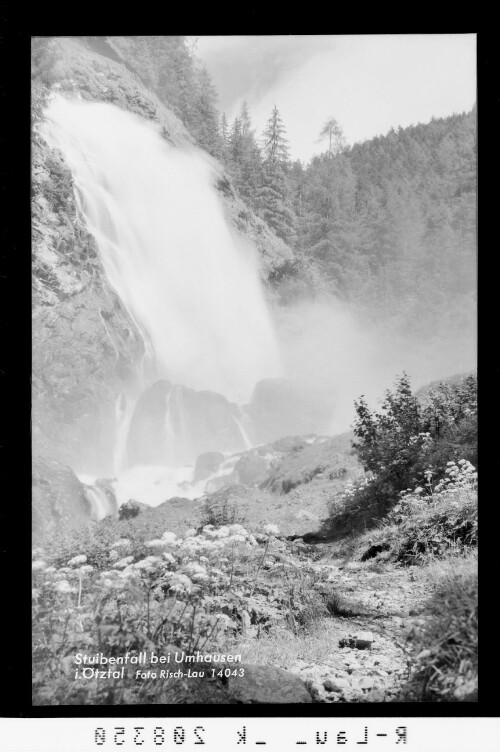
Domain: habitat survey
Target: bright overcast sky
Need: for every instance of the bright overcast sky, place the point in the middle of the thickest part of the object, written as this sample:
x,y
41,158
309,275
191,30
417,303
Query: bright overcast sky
x,y
368,83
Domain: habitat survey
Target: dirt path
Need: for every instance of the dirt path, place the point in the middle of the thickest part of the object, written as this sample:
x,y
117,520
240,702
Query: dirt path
x,y
394,600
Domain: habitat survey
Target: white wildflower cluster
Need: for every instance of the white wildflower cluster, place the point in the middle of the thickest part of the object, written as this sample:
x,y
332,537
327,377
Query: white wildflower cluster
x,y
114,579
64,588
170,537
122,543
148,564
213,539
410,501
353,487
197,572
158,543
76,561
461,475
179,582
270,529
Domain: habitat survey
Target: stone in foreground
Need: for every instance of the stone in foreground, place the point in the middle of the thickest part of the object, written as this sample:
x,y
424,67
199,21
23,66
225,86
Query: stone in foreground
x,y
337,684
266,684
361,641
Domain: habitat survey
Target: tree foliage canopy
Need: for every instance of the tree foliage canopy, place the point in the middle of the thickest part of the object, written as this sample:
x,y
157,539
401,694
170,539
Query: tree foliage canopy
x,y
410,440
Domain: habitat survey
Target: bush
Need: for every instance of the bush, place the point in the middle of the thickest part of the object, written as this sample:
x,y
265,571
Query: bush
x,y
446,649
199,591
224,507
406,440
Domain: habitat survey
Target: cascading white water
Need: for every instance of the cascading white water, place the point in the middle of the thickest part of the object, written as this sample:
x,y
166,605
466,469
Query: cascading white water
x,y
123,416
100,503
241,427
187,280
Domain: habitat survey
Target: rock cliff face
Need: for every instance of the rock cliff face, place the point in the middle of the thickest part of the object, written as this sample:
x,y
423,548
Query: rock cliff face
x,y
86,350
171,425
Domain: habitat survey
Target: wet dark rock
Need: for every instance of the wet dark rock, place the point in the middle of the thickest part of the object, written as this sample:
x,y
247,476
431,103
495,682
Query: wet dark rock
x,y
131,509
361,641
376,549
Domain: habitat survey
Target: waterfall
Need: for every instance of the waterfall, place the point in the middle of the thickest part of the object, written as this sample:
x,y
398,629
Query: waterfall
x,y
123,416
187,280
241,427
100,501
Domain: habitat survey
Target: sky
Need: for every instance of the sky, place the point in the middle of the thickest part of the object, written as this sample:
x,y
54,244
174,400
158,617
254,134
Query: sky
x,y
368,83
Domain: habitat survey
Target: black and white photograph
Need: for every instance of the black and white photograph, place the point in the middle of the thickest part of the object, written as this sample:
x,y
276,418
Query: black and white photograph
x,y
254,370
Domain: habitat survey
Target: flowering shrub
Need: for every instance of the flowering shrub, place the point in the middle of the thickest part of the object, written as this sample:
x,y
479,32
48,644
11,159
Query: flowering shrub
x,y
435,519
196,591
406,446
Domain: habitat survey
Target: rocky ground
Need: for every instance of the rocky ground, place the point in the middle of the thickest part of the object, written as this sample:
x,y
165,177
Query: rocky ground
x,y
374,666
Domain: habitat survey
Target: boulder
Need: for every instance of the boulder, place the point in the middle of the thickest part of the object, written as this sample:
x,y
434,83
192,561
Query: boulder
x,y
337,684
366,682
59,502
206,465
130,509
266,685
375,695
361,641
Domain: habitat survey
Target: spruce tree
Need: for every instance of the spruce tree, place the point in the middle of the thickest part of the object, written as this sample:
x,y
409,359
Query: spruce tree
x,y
274,143
272,199
250,160
205,117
